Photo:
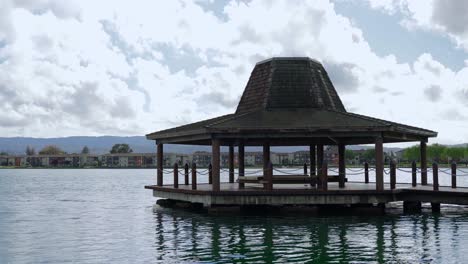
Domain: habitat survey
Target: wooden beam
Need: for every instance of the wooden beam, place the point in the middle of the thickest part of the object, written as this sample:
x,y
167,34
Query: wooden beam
x,y
423,163
341,165
159,180
231,164
379,161
215,162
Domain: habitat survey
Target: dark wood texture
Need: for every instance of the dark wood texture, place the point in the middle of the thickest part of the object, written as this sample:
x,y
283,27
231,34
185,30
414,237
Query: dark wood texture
x,y
313,160
241,159
319,163
215,145
379,162
210,174
423,148
454,174
392,174
176,175
159,180
324,177
231,163
186,172
266,154
194,176
413,174
268,179
341,165
366,172
435,176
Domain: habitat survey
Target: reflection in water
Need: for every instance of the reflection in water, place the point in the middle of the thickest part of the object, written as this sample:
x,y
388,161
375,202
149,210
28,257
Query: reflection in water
x,y
105,216
193,237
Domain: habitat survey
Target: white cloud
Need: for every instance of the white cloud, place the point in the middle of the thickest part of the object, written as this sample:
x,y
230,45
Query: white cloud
x,y
447,18
98,68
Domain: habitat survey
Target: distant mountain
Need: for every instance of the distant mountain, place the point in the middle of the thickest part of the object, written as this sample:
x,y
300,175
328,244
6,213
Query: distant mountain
x,y
103,144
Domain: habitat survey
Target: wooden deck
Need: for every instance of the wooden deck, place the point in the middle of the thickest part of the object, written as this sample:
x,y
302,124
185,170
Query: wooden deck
x,y
304,194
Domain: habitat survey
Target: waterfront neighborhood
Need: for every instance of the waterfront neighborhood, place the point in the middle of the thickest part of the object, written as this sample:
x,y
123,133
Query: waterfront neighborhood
x,y
148,160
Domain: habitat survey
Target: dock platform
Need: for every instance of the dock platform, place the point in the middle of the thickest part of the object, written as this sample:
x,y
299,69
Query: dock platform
x,y
354,193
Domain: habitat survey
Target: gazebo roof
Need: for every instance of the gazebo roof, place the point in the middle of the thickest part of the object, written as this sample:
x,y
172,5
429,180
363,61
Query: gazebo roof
x,y
291,101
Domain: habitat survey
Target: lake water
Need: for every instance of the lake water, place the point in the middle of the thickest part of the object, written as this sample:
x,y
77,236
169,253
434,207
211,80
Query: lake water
x,y
105,216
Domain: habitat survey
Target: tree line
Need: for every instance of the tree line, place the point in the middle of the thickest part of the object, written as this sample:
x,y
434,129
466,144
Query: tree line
x,y
437,153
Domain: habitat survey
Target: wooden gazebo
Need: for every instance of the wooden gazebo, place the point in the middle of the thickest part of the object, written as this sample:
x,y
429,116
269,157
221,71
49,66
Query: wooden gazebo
x,y
291,102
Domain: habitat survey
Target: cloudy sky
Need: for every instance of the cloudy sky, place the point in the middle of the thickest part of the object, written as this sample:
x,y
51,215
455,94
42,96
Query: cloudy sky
x,y
133,67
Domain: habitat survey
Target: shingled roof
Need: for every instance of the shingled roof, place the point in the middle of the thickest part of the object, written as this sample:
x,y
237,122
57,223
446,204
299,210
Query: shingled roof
x,y
291,101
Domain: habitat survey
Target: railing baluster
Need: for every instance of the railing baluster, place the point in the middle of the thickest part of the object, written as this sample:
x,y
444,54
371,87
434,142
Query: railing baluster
x,y
435,176
454,175
186,180
324,174
210,174
366,172
413,173
176,176
194,176
392,175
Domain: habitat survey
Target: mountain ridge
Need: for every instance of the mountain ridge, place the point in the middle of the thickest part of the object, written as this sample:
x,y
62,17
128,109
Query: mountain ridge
x,y
103,144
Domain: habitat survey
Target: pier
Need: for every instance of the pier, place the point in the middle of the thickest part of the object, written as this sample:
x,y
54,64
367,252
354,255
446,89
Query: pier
x,y
292,102
285,193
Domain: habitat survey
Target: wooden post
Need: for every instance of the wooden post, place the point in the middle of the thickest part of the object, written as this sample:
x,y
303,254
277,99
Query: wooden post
x,y
313,166
413,174
210,174
186,180
194,176
435,176
454,174
324,176
231,164
216,145
268,179
341,165
159,157
392,175
176,175
305,169
379,168
313,161
266,154
241,163
366,172
319,164
423,163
